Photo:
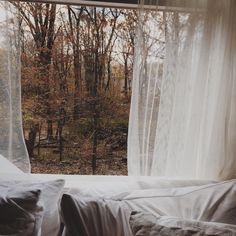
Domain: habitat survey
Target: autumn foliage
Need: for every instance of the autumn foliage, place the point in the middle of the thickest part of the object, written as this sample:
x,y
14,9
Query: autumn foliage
x,y
76,85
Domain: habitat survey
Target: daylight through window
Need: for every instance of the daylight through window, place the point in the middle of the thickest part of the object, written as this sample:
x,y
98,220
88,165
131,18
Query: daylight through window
x,y
76,86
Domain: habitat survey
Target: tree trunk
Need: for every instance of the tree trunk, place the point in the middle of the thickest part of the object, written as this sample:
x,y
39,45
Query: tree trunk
x,y
77,74
49,130
44,63
39,137
94,95
60,141
30,143
126,72
75,36
108,72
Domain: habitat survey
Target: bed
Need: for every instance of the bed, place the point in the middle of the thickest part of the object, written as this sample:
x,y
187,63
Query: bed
x,y
115,205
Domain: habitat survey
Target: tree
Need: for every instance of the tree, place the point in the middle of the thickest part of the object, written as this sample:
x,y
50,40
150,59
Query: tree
x,y
100,31
40,19
126,36
72,94
74,33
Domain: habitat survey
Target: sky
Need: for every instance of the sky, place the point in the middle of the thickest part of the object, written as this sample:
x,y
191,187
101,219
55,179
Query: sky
x,y
2,13
3,5
2,19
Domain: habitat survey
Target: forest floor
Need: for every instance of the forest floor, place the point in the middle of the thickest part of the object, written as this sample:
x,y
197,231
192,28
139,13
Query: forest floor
x,y
114,164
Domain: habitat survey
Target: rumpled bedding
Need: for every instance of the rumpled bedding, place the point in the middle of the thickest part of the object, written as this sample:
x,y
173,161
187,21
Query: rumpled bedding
x,y
109,216
146,224
102,206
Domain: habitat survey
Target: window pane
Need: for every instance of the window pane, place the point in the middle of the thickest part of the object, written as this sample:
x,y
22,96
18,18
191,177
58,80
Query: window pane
x,y
76,87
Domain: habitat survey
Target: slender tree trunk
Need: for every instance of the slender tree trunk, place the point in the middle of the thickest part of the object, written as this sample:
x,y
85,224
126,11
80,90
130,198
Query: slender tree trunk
x,y
108,72
77,74
39,137
75,34
94,95
126,72
60,141
30,143
49,130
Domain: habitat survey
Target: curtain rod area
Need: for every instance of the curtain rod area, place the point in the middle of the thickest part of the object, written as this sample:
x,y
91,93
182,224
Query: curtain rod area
x,y
163,5
129,4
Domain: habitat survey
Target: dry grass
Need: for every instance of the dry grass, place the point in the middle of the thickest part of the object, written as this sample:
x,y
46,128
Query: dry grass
x,y
79,162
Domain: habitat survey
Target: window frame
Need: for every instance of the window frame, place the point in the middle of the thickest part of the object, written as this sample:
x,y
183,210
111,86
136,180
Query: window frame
x,y
130,4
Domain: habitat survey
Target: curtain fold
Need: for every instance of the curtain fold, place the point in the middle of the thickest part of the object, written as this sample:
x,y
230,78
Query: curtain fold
x,y
183,108
12,145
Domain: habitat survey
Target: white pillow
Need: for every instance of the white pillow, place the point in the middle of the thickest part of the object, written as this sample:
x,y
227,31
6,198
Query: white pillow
x,y
51,193
94,216
146,224
20,211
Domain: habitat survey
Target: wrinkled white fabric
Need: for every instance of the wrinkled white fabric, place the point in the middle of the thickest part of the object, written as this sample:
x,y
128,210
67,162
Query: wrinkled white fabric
x,y
94,216
109,216
102,185
213,202
110,188
51,195
183,108
146,224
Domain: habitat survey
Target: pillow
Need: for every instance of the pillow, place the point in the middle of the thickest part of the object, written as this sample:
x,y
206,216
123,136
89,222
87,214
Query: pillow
x,y
20,211
51,192
94,216
146,224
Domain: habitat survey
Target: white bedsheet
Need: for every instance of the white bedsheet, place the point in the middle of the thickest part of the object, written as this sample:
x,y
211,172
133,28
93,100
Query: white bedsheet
x,y
104,216
88,185
99,186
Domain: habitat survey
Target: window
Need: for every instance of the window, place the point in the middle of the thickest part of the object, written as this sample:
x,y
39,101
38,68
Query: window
x,y
76,86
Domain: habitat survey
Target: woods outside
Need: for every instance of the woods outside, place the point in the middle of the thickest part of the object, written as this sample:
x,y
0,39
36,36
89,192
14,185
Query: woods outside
x,y
76,86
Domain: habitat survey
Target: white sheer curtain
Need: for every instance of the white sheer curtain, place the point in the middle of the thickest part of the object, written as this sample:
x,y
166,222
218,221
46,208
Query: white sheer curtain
x,y
183,109
12,145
